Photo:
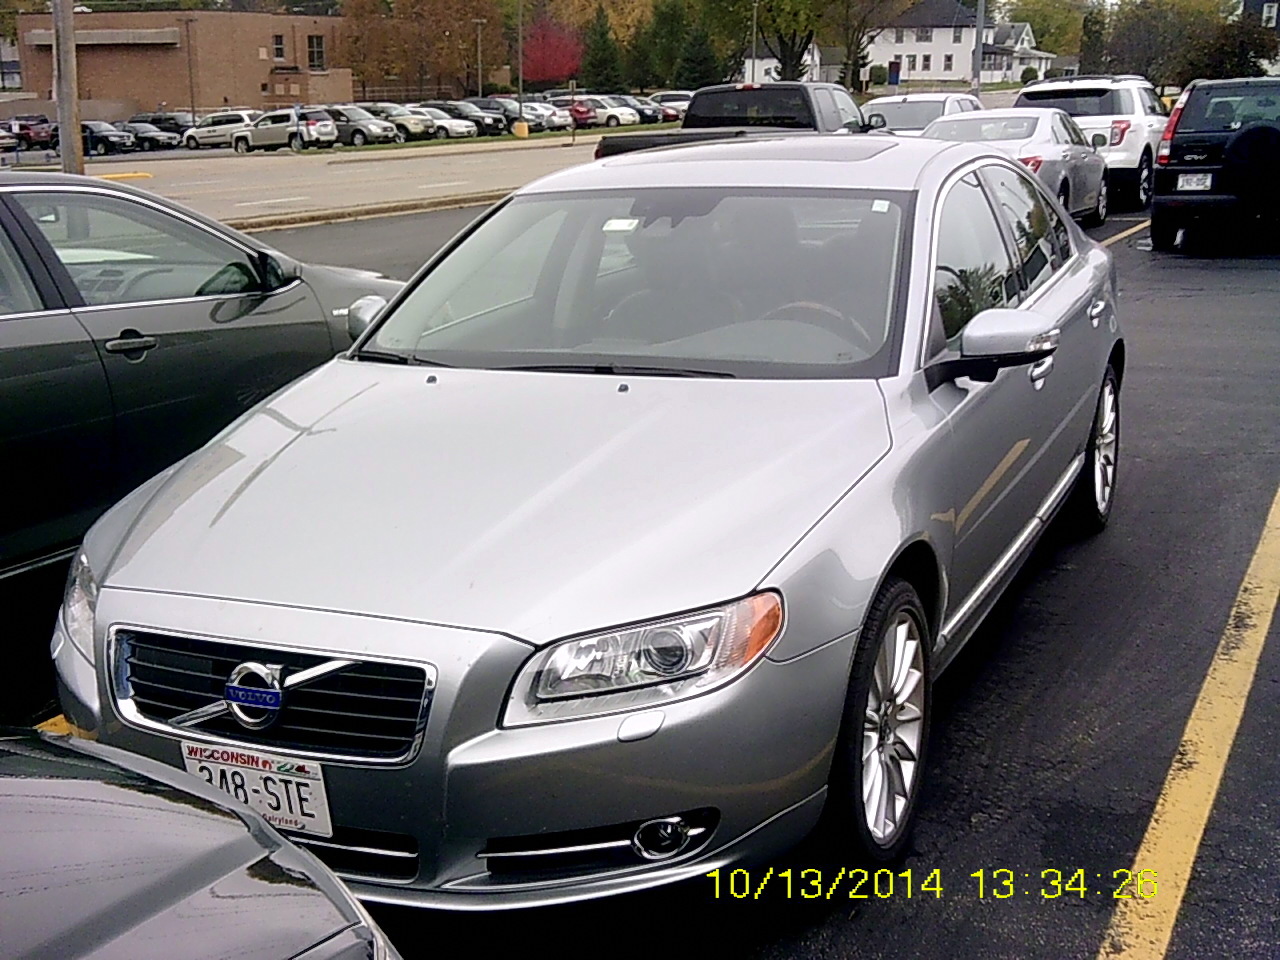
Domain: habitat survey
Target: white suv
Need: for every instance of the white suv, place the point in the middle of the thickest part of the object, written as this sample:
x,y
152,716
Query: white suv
x,y
217,129
1125,111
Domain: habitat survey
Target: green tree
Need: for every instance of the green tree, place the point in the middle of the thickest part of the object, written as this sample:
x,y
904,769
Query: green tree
x,y
848,24
1152,37
1237,48
637,59
1093,38
601,58
787,30
699,66
667,34
1057,24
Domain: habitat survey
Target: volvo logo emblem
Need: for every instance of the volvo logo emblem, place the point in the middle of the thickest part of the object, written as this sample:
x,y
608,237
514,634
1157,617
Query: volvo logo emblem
x,y
254,695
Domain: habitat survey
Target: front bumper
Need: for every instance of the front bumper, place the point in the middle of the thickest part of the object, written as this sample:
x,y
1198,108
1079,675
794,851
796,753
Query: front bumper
x,y
755,753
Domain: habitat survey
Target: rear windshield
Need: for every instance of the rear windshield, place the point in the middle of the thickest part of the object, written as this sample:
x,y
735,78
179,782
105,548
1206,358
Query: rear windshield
x,y
909,115
1229,107
979,128
317,115
787,107
1080,102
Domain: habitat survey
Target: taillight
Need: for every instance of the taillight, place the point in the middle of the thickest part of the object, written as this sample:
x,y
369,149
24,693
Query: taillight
x,y
1166,139
1032,162
1118,129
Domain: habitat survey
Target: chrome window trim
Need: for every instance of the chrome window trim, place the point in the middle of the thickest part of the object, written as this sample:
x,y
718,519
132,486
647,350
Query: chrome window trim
x,y
125,709
203,298
935,222
29,314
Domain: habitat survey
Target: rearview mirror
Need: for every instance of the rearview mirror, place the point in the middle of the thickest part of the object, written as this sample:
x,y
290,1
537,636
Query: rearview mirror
x,y
362,313
1098,140
995,339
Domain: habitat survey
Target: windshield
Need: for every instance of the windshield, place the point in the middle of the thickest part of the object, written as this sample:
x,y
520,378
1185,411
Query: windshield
x,y
786,107
1226,107
358,113
144,128
435,114
978,127
780,284
100,126
470,109
1087,102
911,115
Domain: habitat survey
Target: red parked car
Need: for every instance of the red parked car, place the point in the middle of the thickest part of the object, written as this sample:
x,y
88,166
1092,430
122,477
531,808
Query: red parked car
x,y
32,130
583,114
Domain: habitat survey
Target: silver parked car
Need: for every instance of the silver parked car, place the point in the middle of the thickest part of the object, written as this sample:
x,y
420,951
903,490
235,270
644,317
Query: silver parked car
x,y
908,114
635,558
217,129
1049,144
295,129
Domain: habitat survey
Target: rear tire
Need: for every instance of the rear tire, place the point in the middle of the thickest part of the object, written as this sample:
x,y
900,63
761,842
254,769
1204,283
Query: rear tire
x,y
880,754
1094,493
1140,197
1098,216
1164,230
295,143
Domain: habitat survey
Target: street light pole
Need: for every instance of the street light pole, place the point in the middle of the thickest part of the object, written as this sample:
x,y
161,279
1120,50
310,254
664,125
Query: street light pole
x,y
191,76
975,86
755,7
479,58
67,87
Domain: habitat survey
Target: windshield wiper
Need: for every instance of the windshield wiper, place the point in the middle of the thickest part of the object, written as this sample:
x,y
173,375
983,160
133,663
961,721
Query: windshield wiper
x,y
619,369
382,356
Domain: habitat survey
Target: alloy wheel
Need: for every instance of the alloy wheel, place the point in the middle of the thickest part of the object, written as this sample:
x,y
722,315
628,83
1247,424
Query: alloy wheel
x,y
357,139
1106,442
1144,184
892,729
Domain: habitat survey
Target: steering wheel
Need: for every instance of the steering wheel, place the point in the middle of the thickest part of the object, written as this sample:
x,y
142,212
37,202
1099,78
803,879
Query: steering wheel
x,y
825,317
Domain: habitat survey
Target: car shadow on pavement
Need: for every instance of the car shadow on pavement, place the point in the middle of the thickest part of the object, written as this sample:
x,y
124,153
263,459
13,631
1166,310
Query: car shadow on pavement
x,y
30,601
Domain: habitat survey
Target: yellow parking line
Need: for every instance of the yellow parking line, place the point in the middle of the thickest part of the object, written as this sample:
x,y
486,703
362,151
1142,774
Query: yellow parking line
x,y
129,175
1126,234
1141,928
56,724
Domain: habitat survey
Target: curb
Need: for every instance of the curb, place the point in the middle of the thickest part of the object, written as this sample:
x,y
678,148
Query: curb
x,y
385,155
307,218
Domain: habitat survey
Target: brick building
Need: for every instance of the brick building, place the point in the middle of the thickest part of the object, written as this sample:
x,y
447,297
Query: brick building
x,y
218,58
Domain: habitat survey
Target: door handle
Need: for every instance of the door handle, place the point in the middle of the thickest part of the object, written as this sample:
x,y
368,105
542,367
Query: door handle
x,y
131,341
1039,370
1096,311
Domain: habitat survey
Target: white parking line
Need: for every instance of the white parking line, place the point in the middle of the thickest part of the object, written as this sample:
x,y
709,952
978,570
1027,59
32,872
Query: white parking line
x,y
255,203
438,186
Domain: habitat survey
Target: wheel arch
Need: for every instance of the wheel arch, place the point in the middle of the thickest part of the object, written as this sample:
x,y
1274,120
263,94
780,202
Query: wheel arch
x,y
1116,361
917,563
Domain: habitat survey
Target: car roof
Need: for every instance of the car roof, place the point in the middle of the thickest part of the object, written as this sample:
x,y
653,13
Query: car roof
x,y
1093,80
1239,81
910,97
1041,112
822,161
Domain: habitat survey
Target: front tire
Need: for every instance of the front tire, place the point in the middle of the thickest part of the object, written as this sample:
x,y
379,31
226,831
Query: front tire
x,y
880,755
193,143
1094,494
242,146
400,136
358,139
612,122
100,148
441,133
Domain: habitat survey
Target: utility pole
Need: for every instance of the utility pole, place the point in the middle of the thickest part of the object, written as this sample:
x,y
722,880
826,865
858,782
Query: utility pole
x,y
67,87
479,58
520,55
975,86
755,7
191,76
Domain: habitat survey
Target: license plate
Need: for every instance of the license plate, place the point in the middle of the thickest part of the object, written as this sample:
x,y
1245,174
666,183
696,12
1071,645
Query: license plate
x,y
288,793
1195,181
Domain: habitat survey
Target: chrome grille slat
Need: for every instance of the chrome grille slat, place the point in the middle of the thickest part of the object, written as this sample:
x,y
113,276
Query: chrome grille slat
x,y
371,710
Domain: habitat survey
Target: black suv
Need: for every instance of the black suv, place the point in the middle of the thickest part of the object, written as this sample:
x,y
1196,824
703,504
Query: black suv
x,y
177,121
1219,156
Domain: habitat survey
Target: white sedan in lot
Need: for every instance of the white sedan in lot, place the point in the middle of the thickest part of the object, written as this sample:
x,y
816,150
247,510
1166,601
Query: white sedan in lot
x,y
446,126
553,118
909,113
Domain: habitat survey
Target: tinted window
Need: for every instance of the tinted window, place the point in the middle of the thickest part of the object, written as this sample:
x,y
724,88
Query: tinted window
x,y
788,284
980,128
1224,107
118,251
1086,102
316,115
17,295
786,107
973,272
1030,220
911,115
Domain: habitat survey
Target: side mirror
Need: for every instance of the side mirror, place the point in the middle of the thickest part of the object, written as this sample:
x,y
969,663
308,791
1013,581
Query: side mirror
x,y
1098,140
876,121
362,313
277,270
995,339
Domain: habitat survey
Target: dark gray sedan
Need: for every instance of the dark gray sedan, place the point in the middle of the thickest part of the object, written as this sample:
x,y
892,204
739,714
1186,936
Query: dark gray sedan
x,y
131,331
1049,144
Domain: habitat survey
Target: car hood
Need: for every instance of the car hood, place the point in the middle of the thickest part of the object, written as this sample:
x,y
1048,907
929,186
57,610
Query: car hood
x,y
101,860
533,504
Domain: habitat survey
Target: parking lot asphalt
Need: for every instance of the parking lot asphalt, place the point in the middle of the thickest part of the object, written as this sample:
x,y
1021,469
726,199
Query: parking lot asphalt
x,y
1057,727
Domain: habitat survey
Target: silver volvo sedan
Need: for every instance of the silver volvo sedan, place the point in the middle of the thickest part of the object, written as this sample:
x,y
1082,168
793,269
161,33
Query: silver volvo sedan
x,y
636,556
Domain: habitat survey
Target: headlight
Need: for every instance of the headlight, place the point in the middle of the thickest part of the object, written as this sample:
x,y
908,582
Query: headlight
x,y
78,605
650,663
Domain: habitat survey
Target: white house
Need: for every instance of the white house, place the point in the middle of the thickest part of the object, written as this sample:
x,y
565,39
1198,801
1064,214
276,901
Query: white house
x,y
766,67
933,40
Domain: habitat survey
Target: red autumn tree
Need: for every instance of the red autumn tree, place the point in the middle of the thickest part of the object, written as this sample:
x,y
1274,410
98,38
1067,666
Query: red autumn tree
x,y
552,52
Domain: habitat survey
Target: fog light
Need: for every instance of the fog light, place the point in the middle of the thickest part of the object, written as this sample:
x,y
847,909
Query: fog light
x,y
661,839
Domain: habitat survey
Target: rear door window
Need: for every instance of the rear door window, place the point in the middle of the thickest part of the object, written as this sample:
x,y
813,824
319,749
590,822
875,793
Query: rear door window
x,y
1080,102
1225,107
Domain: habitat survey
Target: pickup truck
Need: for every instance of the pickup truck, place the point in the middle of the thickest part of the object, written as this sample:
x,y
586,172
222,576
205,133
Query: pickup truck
x,y
743,109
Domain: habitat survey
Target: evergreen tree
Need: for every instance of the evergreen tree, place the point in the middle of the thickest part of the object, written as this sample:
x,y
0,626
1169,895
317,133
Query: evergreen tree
x,y
699,66
601,58
1093,40
668,32
637,59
